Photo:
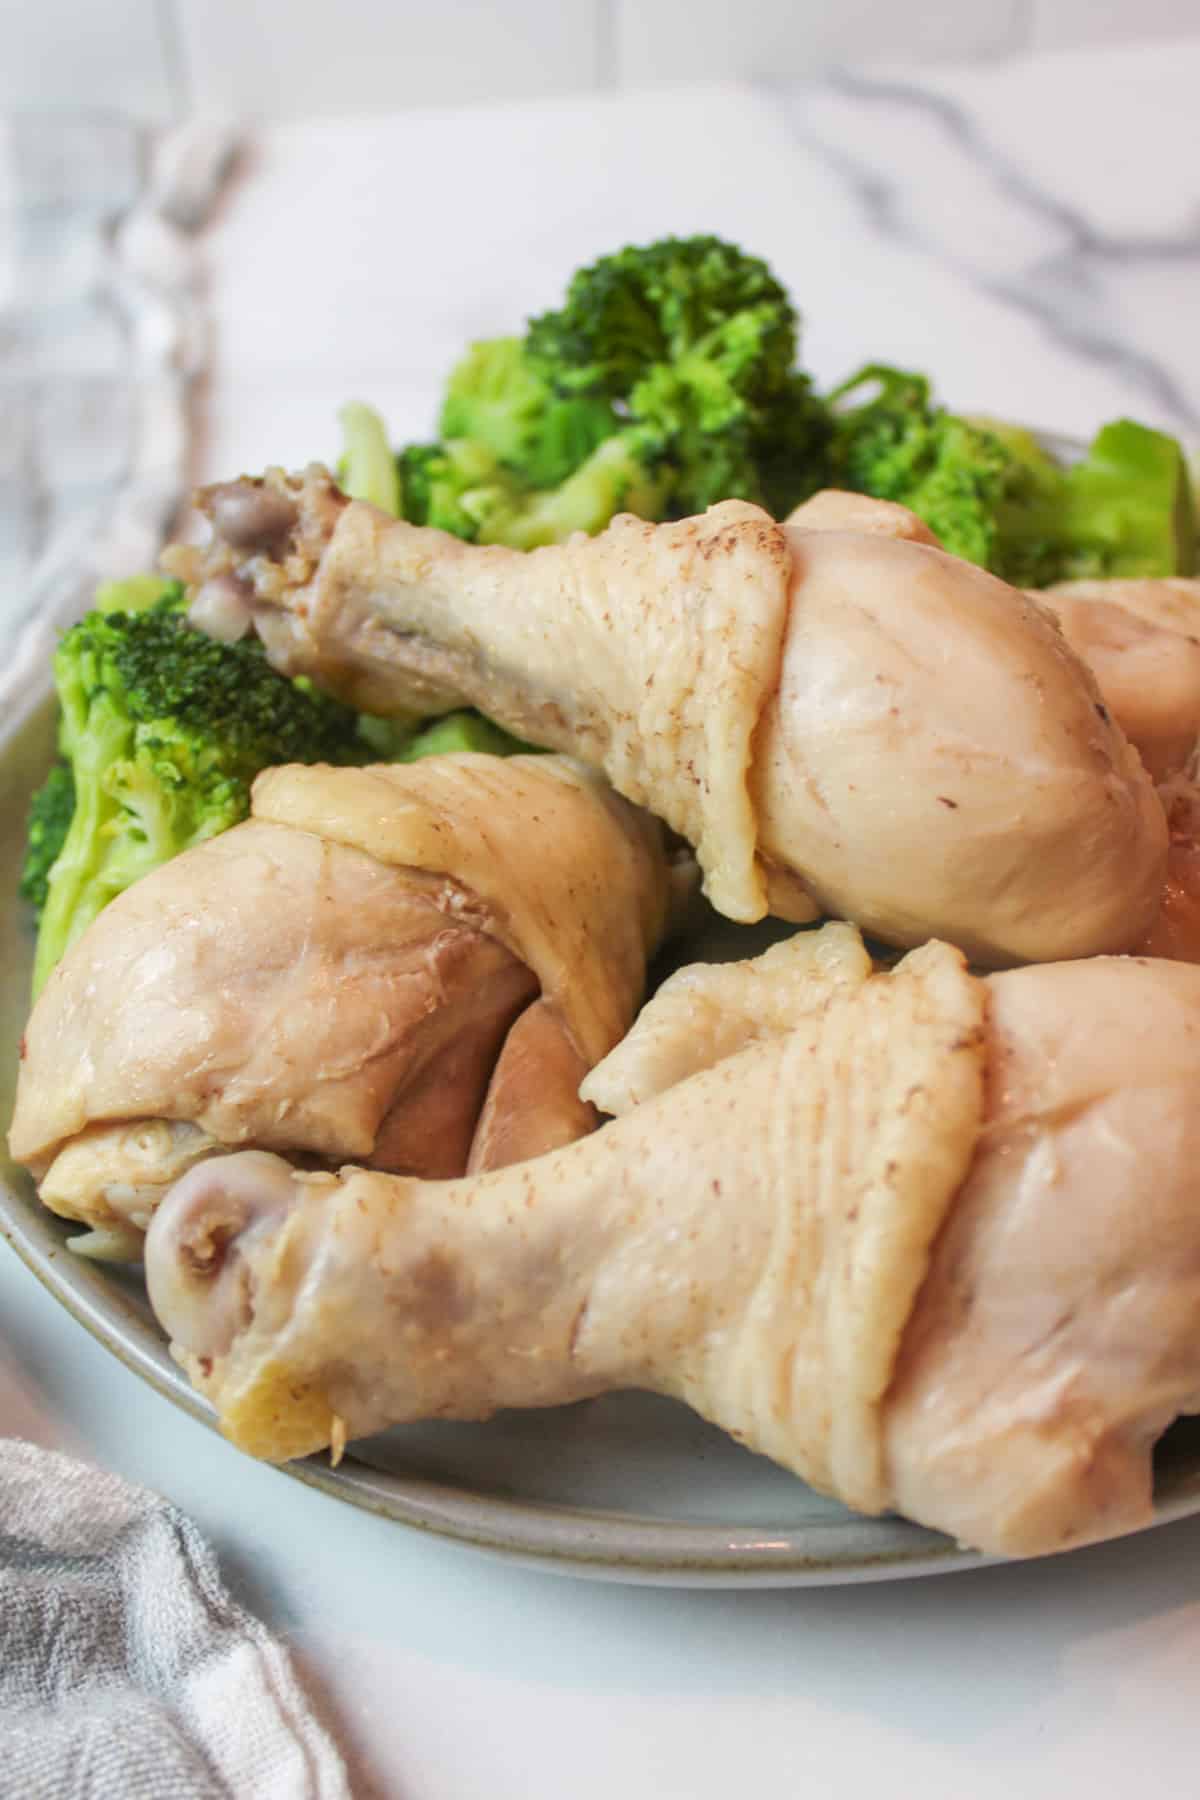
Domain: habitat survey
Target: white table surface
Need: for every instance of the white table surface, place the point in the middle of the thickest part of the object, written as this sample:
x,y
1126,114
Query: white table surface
x,y
1030,233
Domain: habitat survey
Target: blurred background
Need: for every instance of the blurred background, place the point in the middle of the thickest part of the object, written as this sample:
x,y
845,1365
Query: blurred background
x,y
160,59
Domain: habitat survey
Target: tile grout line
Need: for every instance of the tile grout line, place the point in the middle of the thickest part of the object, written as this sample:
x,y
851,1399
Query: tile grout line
x,y
174,62
606,44
1023,30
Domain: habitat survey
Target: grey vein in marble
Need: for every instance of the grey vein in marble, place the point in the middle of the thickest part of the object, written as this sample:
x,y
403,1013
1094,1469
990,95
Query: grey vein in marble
x,y
1040,256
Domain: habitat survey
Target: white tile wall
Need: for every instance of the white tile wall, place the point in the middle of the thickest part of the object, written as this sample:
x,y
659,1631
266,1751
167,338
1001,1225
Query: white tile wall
x,y
678,39
86,53
1058,24
290,58
284,58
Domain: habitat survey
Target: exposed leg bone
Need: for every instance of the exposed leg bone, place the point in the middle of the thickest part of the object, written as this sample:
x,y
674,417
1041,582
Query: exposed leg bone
x,y
206,1288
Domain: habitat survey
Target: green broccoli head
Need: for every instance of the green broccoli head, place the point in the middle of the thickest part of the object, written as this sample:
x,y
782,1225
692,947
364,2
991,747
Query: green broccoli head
x,y
666,382
662,303
1123,510
623,474
458,731
497,397
459,487
50,813
895,444
695,342
163,730
995,496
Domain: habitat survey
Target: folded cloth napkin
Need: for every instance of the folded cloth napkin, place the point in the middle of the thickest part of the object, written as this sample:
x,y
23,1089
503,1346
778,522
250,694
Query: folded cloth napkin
x,y
126,1670
104,327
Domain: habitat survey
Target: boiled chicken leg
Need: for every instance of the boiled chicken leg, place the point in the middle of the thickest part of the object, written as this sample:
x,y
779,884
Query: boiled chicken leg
x,y
837,720
413,967
1142,641
935,1247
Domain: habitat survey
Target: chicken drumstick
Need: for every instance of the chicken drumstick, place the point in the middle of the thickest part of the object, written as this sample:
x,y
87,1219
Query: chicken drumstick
x,y
837,721
412,967
936,1247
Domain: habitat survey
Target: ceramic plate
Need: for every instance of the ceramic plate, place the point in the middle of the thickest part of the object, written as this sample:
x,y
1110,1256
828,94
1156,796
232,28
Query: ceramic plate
x,y
628,1487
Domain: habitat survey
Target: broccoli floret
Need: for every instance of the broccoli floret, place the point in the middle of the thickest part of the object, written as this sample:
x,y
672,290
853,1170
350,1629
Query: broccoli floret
x,y
695,341
994,495
460,487
459,731
464,730
497,397
134,593
623,474
664,303
49,816
896,445
163,729
457,486
1125,510
666,382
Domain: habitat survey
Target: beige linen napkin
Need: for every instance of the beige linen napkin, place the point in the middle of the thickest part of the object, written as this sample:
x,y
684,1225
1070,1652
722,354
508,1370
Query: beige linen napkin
x,y
127,1672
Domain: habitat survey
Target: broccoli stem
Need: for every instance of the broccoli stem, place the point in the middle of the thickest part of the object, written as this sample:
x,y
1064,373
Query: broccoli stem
x,y
1130,503
93,737
50,813
617,477
369,469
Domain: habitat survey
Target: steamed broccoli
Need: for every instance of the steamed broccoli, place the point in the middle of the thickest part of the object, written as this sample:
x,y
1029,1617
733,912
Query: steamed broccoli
x,y
995,496
458,731
50,813
894,444
460,487
665,382
163,729
1125,510
457,486
694,341
497,397
368,469
623,474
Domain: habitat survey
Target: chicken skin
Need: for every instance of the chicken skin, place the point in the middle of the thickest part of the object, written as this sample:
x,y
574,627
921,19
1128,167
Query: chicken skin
x,y
1141,639
932,1241
411,967
838,720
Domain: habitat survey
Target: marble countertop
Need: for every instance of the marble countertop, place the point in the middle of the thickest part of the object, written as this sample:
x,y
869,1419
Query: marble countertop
x,y
1029,233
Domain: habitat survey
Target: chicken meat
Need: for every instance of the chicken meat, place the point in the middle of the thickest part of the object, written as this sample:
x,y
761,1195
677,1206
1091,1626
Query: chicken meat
x,y
928,1239
845,721
1141,639
411,967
